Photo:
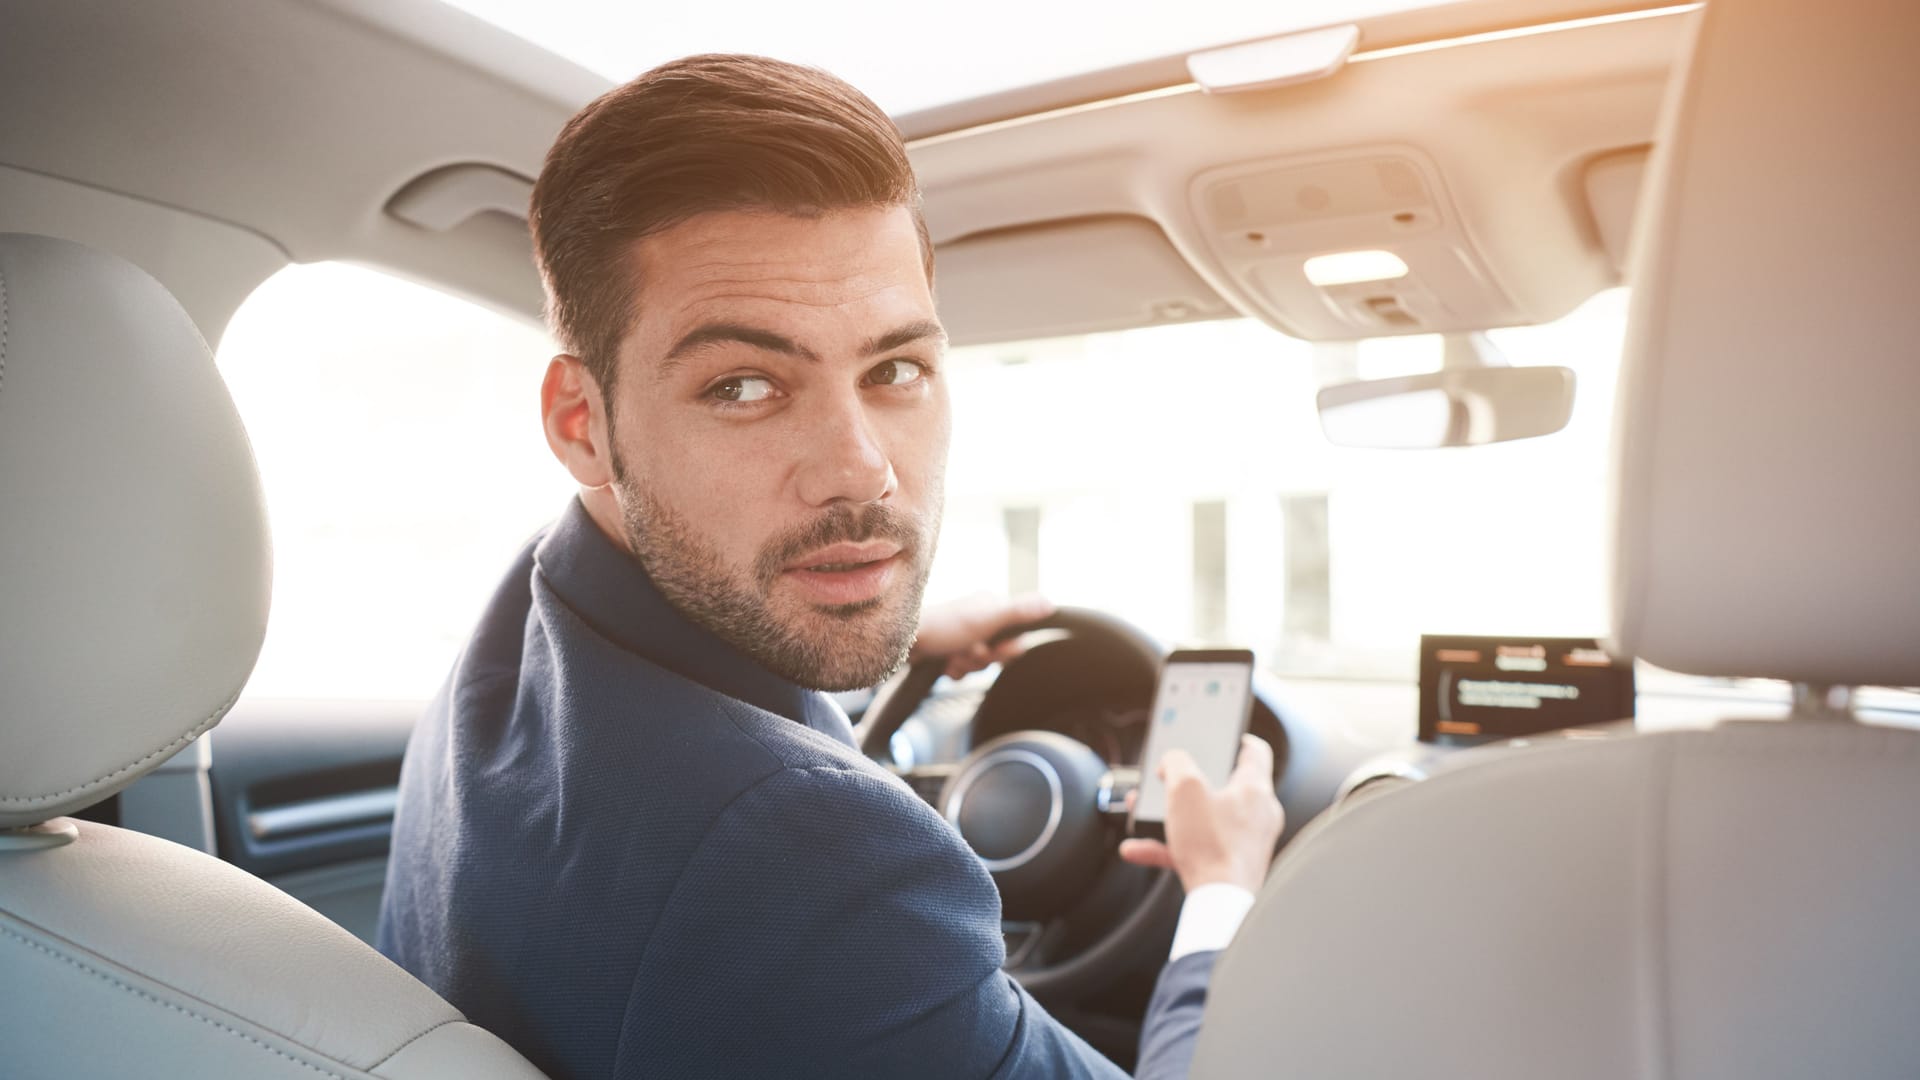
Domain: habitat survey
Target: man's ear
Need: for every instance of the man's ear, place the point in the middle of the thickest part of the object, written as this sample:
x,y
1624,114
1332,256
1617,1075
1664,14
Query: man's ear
x,y
575,417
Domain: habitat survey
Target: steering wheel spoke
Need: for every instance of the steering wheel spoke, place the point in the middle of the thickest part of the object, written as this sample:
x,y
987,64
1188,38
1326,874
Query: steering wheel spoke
x,y
1110,798
1042,811
1022,939
927,781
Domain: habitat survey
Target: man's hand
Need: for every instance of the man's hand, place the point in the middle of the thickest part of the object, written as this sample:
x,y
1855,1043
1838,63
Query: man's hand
x,y
1216,836
959,631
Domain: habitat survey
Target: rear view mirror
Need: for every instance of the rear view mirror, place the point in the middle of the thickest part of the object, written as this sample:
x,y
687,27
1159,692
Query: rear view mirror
x,y
1451,407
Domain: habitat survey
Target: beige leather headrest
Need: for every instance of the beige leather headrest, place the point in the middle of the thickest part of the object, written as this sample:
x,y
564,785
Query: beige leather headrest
x,y
134,564
1768,443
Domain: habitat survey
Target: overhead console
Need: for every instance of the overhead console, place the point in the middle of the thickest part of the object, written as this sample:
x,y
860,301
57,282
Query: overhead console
x,y
1357,244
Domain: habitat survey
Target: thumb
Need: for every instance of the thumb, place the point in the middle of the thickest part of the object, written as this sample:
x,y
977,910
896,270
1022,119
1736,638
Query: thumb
x,y
1149,853
1175,765
1255,767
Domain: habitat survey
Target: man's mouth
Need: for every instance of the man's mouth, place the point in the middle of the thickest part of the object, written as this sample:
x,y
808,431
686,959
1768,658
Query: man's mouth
x,y
845,573
846,556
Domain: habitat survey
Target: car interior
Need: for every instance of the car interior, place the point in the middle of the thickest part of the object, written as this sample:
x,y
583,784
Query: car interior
x,y
1650,262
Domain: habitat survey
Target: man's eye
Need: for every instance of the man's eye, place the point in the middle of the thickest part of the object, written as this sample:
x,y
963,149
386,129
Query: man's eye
x,y
896,373
742,388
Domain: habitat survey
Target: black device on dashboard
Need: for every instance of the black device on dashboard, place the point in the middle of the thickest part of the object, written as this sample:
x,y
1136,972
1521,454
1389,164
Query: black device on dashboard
x,y
1479,689
1202,706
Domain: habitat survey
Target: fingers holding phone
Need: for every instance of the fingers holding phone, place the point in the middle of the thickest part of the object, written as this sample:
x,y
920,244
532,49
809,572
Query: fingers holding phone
x,y
1222,834
1205,807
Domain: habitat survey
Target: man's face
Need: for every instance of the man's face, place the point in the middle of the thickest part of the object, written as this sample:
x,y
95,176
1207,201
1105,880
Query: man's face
x,y
780,430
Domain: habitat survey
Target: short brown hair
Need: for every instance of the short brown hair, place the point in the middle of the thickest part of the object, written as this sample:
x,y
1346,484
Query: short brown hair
x,y
706,133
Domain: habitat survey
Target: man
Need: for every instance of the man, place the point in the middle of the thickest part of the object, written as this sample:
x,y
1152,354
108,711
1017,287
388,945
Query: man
x,y
635,839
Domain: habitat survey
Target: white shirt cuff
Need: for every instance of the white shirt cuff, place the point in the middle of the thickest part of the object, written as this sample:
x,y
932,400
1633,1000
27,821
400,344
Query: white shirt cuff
x,y
1210,917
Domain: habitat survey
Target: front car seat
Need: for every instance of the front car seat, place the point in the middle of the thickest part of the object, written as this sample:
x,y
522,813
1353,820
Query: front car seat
x,y
1740,902
134,579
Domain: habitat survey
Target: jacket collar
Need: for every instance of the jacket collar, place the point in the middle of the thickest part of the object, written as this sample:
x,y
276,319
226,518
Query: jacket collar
x,y
608,588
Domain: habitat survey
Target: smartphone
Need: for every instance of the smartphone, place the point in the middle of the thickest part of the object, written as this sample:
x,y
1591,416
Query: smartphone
x,y
1202,706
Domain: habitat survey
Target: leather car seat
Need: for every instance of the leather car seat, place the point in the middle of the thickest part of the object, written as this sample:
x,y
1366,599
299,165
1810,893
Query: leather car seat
x,y
134,580
1736,902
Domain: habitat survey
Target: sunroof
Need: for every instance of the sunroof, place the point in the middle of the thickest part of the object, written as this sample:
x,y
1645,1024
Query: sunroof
x,y
911,56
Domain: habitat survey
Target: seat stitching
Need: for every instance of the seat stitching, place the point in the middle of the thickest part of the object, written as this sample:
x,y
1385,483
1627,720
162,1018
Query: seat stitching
x,y
137,992
3,329
197,731
396,1050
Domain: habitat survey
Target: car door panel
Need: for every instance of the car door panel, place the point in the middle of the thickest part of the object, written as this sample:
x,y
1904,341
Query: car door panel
x,y
303,796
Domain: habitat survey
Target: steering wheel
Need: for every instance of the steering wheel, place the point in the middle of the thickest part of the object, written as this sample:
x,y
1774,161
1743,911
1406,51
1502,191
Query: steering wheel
x,y
1039,809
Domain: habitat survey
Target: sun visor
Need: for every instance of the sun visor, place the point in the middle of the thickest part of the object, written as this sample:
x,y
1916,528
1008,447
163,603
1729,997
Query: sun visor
x,y
1069,277
1612,183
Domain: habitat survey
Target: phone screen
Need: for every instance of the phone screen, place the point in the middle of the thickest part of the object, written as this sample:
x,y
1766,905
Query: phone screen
x,y
1201,707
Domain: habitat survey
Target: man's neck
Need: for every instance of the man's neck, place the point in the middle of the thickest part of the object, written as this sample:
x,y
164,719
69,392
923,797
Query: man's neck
x,y
604,508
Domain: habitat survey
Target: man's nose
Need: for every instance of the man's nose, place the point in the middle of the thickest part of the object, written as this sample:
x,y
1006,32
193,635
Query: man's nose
x,y
845,458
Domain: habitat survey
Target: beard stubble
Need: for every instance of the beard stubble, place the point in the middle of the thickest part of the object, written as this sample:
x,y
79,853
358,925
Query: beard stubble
x,y
820,647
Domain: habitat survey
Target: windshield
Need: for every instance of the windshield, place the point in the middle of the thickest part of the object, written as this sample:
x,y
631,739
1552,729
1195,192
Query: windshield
x,y
1177,476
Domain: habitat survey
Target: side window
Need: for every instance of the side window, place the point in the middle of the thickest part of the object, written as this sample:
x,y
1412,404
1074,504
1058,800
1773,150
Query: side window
x,y
398,435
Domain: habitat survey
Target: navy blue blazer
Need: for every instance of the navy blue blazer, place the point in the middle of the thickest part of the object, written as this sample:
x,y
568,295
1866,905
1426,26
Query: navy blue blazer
x,y
630,851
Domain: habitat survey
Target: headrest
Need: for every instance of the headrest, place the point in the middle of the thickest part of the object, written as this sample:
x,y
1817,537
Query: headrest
x,y
1767,484
134,563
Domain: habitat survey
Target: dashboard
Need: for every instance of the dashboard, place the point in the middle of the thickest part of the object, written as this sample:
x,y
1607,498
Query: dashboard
x,y
1473,691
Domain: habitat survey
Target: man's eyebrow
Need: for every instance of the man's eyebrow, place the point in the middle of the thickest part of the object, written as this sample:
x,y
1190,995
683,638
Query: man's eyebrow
x,y
709,333
905,335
